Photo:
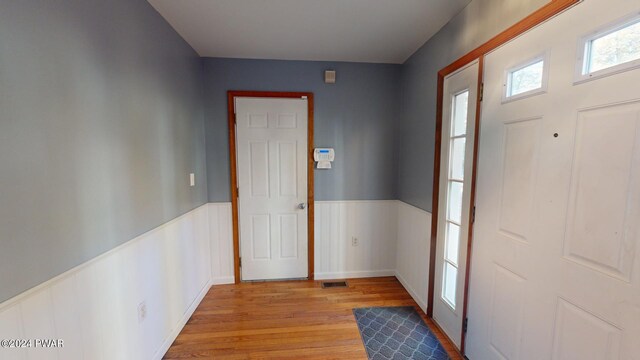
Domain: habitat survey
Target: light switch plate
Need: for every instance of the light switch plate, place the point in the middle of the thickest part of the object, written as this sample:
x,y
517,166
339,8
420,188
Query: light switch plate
x,y
192,179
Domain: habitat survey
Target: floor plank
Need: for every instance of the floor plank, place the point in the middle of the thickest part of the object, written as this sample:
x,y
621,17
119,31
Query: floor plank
x,y
287,320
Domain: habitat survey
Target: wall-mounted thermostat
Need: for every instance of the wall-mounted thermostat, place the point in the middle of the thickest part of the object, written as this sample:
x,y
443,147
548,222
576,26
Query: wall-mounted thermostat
x,y
324,157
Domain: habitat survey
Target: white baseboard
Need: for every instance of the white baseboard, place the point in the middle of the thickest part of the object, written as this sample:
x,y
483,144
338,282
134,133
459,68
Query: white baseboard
x,y
225,280
176,331
353,274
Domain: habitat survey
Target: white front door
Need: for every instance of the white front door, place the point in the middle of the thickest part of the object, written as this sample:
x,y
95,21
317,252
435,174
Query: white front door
x,y
456,165
555,272
272,180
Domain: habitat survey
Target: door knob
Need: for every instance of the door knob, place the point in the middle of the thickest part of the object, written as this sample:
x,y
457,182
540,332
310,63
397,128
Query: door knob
x,y
302,206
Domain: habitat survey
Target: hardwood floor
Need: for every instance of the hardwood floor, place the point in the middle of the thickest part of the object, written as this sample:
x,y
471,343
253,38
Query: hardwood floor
x,y
287,320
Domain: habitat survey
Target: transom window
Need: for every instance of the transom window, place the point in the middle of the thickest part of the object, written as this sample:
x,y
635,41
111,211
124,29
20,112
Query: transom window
x,y
610,50
526,79
455,189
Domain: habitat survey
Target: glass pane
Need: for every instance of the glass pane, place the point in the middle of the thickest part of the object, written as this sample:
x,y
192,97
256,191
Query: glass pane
x,y
453,242
616,48
449,284
454,205
459,118
457,158
526,79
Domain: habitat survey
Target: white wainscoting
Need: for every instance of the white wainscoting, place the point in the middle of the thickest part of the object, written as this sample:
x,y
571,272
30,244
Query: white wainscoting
x,y
393,239
373,223
412,264
220,221
94,307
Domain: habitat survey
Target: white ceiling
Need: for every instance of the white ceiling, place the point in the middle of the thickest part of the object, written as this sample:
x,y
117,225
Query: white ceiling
x,y
380,31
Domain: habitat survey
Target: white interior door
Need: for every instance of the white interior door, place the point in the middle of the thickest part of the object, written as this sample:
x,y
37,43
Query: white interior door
x,y
456,165
272,180
555,273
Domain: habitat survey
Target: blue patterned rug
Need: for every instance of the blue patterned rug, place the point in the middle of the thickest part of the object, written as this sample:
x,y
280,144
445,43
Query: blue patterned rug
x,y
397,333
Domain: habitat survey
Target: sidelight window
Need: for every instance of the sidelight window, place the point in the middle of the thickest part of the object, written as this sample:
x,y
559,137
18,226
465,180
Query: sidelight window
x,y
455,191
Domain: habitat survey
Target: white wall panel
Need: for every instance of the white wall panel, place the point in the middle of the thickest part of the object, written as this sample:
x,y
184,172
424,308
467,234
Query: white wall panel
x,y
221,235
412,262
11,328
37,321
65,302
373,223
94,307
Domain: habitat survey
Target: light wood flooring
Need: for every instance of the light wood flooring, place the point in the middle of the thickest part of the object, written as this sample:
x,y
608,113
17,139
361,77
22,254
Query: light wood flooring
x,y
287,320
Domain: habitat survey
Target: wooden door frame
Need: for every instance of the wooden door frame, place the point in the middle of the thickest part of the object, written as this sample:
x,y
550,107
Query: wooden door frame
x,y
231,95
551,9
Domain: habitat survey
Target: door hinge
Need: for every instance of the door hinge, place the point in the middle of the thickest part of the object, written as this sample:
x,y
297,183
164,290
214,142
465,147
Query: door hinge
x,y
239,262
481,91
473,215
237,192
465,325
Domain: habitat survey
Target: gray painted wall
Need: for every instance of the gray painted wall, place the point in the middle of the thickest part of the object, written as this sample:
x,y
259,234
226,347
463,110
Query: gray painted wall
x,y
358,116
104,110
100,123
477,23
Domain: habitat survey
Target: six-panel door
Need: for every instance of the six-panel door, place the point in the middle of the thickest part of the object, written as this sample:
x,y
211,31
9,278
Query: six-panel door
x,y
272,180
555,272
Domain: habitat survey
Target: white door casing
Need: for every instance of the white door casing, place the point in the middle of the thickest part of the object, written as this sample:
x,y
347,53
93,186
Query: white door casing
x,y
457,145
271,138
555,273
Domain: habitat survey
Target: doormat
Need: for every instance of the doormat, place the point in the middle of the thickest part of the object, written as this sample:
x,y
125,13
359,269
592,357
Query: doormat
x,y
397,333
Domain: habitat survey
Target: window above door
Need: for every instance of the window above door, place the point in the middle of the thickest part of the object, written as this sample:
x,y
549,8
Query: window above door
x,y
609,50
526,79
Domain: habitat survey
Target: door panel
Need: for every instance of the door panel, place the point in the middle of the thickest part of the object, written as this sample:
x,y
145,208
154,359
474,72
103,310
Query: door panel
x,y
458,133
555,273
602,176
289,236
287,172
258,168
581,335
260,237
506,310
520,167
272,181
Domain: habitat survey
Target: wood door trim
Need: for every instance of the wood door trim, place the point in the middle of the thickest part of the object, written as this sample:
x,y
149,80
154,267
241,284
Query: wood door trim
x,y
551,9
472,200
231,95
546,12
